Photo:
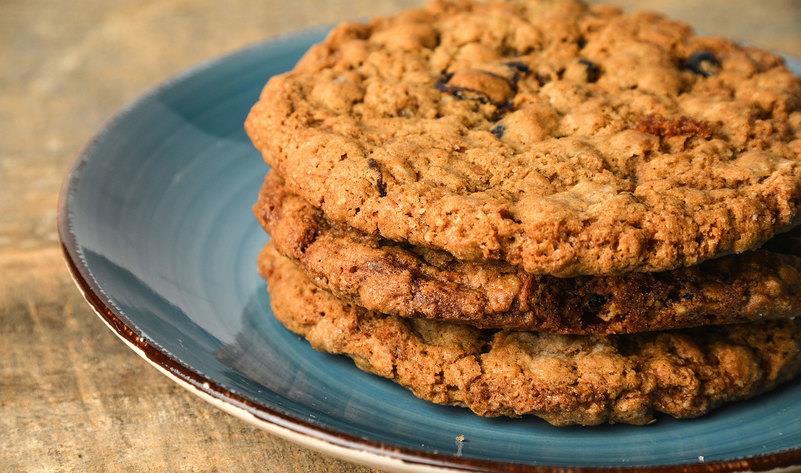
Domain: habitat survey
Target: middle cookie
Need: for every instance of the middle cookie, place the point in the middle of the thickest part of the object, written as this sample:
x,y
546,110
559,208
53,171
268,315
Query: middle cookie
x,y
409,281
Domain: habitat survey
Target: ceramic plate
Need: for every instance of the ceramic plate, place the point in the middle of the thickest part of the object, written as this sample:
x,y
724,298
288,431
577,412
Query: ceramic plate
x,y
157,231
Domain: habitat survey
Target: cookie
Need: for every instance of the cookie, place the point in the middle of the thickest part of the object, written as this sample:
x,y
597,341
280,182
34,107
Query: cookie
x,y
566,139
408,281
564,379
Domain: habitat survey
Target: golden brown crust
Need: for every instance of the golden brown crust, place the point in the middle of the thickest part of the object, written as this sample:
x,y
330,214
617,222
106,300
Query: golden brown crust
x,y
564,379
411,282
562,138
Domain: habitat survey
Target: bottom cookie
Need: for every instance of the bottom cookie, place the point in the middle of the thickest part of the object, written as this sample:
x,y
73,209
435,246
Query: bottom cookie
x,y
564,379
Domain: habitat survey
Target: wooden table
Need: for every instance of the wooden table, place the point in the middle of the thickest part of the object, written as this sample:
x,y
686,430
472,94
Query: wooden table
x,y
72,397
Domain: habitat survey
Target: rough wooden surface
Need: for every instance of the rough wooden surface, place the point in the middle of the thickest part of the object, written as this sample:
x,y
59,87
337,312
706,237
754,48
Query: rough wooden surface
x,y
72,397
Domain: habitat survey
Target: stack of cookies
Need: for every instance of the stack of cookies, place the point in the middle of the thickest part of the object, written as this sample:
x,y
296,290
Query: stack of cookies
x,y
539,207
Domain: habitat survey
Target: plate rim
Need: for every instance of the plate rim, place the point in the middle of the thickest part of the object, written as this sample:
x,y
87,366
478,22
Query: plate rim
x,y
294,429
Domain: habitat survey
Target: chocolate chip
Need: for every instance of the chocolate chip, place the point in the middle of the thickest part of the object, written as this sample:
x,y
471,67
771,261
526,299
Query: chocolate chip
x,y
581,42
498,130
479,85
518,66
702,63
542,79
380,185
458,92
507,214
597,301
594,71
501,109
673,295
510,51
468,94
504,107
442,83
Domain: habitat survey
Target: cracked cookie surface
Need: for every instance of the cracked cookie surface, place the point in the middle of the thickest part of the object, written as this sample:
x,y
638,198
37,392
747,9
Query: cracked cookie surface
x,y
564,379
562,138
412,282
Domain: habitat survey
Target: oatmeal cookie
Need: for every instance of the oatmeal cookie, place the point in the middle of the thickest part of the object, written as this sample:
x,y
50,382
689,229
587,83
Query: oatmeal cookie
x,y
564,379
564,138
414,282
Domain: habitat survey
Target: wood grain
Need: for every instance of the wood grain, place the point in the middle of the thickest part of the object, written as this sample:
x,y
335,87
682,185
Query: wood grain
x,y
72,397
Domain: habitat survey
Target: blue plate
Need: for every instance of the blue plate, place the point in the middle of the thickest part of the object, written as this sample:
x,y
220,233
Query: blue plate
x,y
157,230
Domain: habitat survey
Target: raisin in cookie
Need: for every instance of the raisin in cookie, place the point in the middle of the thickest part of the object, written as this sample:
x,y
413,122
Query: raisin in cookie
x,y
565,379
413,282
563,138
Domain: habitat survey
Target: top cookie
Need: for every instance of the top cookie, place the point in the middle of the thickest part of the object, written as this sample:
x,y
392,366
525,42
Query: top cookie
x,y
563,138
